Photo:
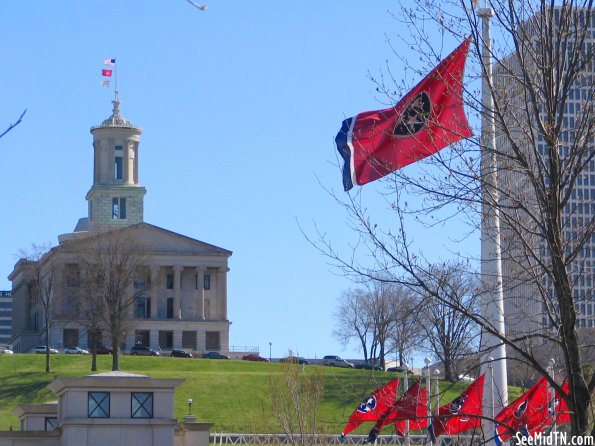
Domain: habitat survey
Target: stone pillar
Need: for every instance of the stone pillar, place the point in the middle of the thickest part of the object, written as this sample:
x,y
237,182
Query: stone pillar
x,y
154,290
177,291
222,291
200,292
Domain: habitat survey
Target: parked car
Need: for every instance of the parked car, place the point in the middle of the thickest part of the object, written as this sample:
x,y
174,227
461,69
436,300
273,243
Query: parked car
x,y
336,361
368,366
75,351
40,349
180,354
214,355
466,378
4,350
103,350
294,360
399,370
143,350
253,357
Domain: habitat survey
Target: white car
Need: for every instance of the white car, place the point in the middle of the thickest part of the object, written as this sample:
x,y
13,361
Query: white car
x,y
5,350
76,351
40,349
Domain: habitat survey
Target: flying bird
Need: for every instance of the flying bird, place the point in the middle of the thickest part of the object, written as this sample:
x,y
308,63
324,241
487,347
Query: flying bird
x,y
201,7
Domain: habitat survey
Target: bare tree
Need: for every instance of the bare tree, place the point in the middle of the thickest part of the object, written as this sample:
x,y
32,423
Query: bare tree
x,y
40,288
295,396
407,334
382,317
351,319
110,266
543,60
450,335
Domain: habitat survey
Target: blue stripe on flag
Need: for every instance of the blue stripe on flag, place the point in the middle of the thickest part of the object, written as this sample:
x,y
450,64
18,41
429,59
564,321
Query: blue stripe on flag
x,y
345,151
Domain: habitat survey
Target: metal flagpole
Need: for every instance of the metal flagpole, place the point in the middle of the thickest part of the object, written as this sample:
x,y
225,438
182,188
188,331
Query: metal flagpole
x,y
552,396
428,376
492,302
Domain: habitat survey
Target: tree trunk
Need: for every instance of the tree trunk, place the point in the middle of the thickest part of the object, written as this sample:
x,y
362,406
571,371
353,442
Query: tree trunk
x,y
116,353
47,345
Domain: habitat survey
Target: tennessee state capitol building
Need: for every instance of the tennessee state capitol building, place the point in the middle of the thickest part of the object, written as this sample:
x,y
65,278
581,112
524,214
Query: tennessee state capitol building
x,y
185,305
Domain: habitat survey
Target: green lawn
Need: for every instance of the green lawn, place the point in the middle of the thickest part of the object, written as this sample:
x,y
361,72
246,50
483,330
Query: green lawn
x,y
231,394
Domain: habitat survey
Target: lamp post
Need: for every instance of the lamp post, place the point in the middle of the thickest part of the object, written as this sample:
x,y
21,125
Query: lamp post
x,y
270,351
189,406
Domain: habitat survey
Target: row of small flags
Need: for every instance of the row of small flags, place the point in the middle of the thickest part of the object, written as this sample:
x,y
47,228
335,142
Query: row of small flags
x,y
107,72
533,412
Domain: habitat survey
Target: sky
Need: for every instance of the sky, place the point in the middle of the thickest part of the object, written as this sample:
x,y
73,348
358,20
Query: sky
x,y
239,107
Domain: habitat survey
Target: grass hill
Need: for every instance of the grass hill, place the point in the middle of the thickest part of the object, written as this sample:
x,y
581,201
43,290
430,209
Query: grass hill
x,y
231,394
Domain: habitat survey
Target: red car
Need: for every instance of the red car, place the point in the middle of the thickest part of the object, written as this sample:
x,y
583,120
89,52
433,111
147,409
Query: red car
x,y
104,351
254,358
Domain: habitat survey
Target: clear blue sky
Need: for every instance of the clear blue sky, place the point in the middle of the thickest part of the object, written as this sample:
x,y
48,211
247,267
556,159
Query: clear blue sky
x,y
239,106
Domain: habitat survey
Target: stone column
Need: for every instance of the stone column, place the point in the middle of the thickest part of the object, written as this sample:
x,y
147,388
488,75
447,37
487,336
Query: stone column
x,y
200,292
222,291
154,290
177,291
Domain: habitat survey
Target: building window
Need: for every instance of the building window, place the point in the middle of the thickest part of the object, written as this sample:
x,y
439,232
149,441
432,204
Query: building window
x,y
118,168
70,337
142,337
98,405
189,339
166,339
141,405
212,340
73,276
170,308
118,208
169,279
142,308
118,147
51,423
207,282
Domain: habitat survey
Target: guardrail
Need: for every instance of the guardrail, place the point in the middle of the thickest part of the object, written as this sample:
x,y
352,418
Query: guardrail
x,y
220,439
242,349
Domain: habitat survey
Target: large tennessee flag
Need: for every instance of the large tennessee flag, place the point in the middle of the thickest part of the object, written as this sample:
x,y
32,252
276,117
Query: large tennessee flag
x,y
429,118
462,414
411,407
373,406
532,412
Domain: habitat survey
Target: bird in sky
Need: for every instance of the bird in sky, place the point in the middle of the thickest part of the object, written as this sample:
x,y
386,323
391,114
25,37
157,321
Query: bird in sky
x,y
201,7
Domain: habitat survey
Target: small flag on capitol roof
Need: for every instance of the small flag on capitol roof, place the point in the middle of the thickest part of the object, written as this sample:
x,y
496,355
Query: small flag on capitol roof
x,y
109,62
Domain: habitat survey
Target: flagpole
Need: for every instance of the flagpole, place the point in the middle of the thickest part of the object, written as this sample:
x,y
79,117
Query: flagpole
x,y
552,394
116,78
492,302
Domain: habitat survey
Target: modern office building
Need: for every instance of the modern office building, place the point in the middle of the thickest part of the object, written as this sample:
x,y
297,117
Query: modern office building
x,y
180,293
5,316
525,285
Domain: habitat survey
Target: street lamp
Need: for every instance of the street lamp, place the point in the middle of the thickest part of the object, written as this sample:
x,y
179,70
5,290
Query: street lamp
x,y
270,350
189,406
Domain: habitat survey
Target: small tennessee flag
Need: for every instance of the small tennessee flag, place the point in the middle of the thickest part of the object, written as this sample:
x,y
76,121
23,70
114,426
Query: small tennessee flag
x,y
109,62
107,73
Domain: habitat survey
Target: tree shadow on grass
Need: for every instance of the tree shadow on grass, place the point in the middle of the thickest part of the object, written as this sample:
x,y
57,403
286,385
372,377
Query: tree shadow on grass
x,y
26,388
